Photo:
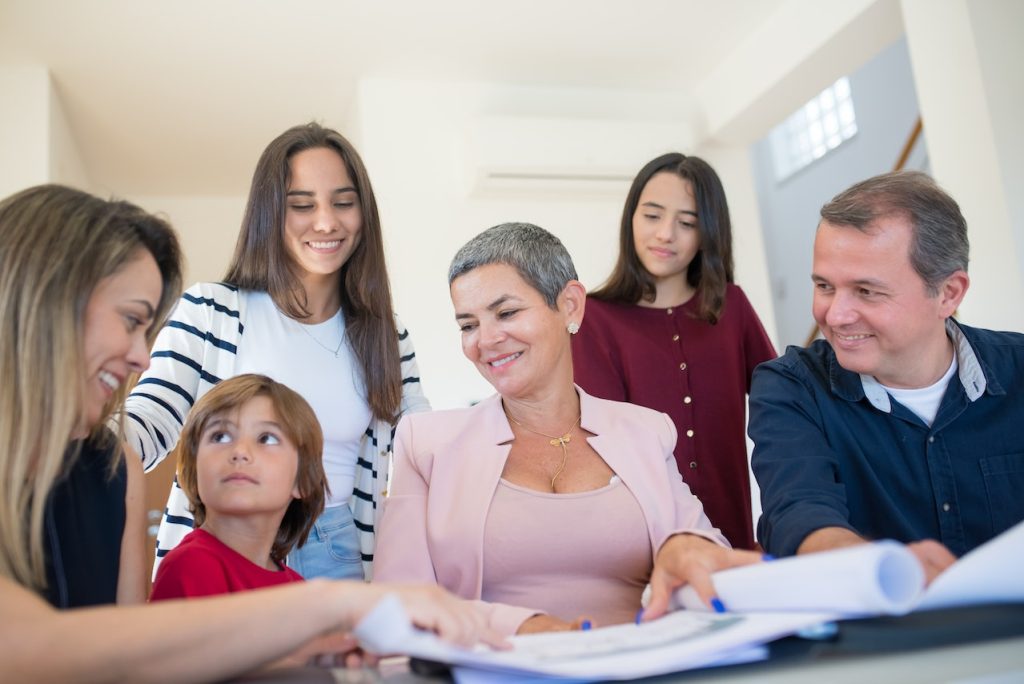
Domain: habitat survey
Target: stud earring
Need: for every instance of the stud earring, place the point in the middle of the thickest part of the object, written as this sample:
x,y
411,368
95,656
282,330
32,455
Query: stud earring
x,y
573,328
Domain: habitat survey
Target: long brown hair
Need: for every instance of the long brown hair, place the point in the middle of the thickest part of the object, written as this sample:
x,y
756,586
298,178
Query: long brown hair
x,y
262,262
299,423
56,246
711,269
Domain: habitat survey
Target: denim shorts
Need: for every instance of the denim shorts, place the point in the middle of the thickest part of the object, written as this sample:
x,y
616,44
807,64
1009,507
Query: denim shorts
x,y
332,549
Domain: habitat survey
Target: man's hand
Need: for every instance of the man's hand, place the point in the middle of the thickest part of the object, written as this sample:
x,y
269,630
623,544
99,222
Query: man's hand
x,y
933,557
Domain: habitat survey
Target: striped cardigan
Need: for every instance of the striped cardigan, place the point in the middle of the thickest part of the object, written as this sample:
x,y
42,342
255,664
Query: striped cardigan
x,y
194,351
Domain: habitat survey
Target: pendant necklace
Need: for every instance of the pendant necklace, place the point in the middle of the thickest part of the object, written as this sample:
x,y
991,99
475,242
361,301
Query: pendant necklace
x,y
554,441
334,351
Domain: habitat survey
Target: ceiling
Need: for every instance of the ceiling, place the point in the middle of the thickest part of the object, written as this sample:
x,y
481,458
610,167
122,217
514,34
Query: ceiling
x,y
180,97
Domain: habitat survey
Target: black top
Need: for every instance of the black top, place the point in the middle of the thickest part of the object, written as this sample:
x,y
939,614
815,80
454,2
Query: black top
x,y
82,532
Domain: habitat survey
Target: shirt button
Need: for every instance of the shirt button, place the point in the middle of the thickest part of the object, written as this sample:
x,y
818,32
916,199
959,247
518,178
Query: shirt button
x,y
931,440
687,400
689,433
682,366
668,311
945,507
693,465
675,338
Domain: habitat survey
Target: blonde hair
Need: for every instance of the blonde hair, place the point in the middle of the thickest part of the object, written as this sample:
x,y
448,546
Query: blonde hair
x,y
299,423
56,245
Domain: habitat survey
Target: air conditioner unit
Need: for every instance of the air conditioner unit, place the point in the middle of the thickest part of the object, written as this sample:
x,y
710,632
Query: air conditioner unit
x,y
511,155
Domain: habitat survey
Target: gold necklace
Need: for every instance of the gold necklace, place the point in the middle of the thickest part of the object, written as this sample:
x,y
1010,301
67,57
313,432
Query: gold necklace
x,y
554,441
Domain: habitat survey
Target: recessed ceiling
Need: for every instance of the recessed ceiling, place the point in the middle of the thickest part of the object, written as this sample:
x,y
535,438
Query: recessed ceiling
x,y
180,97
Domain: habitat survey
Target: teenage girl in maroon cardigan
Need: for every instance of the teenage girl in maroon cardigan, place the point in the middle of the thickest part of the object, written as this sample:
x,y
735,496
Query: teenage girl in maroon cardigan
x,y
669,330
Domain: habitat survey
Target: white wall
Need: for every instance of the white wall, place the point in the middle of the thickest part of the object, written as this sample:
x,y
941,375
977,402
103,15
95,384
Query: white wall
x,y
416,139
24,128
207,228
65,164
798,50
996,25
886,108
966,57
36,142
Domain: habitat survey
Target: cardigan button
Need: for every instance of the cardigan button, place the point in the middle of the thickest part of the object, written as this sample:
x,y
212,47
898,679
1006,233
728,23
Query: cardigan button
x,y
668,311
682,366
687,400
693,465
689,433
675,338
945,507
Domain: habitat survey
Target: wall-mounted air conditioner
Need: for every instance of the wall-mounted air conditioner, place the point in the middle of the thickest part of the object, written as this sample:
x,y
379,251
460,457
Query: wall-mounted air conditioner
x,y
511,155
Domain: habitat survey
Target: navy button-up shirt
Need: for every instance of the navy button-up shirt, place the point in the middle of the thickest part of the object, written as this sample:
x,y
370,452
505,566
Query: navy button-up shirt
x,y
833,449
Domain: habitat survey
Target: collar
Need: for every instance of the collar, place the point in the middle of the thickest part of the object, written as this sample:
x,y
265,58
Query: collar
x,y
968,370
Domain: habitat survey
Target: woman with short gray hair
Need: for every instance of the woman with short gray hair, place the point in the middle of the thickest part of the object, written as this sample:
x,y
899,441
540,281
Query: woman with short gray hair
x,y
517,500
540,258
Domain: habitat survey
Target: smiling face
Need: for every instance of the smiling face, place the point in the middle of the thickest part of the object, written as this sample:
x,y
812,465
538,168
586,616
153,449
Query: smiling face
x,y
665,231
323,218
118,316
519,344
245,463
874,308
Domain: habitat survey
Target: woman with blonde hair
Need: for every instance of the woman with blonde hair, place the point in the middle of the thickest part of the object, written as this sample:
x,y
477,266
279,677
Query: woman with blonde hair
x,y
84,283
306,301
60,246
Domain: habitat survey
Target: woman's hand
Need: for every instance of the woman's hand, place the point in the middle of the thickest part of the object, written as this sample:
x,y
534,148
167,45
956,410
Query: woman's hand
x,y
690,559
547,623
336,649
430,607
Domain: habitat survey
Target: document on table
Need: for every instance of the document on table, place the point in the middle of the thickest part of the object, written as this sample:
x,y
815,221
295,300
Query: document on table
x,y
766,601
871,579
868,579
679,641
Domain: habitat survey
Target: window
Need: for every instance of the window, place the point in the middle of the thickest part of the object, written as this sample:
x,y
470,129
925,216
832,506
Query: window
x,y
823,124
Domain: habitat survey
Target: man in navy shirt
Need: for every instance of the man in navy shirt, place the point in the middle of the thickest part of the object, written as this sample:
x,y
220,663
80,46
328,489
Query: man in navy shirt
x,y
902,423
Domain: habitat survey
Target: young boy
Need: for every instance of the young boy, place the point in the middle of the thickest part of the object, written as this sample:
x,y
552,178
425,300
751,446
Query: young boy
x,y
249,460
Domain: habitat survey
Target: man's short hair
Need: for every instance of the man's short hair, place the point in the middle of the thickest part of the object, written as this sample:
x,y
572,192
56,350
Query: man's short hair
x,y
938,243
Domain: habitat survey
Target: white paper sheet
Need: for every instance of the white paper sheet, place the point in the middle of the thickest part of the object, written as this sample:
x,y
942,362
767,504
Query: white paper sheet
x,y
868,579
883,577
871,579
991,573
707,639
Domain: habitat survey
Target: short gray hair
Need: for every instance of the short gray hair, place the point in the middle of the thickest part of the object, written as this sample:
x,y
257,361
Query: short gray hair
x,y
938,243
539,257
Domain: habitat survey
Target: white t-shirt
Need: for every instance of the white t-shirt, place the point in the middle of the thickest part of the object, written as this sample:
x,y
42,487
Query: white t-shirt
x,y
924,401
303,358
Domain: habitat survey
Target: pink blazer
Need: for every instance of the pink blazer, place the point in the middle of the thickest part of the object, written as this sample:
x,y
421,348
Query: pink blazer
x,y
446,470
